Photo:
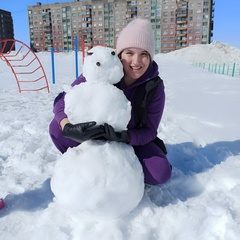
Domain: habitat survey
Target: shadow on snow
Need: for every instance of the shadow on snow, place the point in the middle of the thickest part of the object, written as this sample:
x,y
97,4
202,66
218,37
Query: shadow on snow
x,y
32,200
188,160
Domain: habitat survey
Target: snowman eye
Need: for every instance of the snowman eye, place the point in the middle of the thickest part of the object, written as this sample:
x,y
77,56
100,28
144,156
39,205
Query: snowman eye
x,y
89,53
113,53
98,63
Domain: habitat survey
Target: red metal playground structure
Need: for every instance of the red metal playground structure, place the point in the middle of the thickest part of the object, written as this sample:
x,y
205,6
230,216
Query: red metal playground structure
x,y
25,65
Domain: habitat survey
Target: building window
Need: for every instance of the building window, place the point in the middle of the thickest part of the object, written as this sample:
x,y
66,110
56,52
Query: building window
x,y
205,30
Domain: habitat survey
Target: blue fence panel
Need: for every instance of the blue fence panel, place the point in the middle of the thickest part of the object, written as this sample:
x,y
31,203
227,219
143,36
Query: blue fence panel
x,y
230,69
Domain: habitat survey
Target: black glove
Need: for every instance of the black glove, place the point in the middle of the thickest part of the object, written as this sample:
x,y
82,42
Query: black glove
x,y
111,135
82,131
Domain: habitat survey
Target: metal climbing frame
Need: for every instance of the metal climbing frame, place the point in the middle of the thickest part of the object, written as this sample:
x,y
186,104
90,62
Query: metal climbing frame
x,y
25,65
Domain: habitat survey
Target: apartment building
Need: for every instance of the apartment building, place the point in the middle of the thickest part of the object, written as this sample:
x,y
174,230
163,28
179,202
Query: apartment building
x,y
6,28
176,23
185,23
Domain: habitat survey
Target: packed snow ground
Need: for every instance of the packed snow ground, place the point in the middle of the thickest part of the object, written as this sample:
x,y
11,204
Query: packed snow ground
x,y
201,129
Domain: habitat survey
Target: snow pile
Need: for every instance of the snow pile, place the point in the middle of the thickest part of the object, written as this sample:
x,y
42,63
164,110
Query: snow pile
x,y
215,52
101,179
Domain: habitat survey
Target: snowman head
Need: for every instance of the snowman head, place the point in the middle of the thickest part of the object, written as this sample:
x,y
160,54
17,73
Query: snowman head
x,y
102,65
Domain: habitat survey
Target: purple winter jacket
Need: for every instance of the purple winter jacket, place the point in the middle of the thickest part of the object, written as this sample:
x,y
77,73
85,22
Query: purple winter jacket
x,y
138,136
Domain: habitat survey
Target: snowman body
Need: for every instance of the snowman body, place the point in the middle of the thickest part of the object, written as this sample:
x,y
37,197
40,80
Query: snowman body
x,y
99,178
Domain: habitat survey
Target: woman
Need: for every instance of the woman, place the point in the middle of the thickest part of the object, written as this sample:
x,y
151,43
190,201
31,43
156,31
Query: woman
x,y
135,47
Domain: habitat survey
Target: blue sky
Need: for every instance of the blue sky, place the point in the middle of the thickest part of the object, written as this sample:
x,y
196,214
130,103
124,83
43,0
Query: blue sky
x,y
226,19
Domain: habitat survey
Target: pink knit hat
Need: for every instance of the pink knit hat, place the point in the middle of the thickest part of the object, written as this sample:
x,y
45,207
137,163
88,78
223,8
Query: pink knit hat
x,y
138,34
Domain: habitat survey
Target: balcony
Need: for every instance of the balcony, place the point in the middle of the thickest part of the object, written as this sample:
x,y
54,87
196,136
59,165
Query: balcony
x,y
179,28
181,1
181,12
132,9
181,15
182,34
181,7
182,21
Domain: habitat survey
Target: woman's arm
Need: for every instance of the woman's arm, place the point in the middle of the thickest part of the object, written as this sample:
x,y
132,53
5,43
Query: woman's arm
x,y
146,134
63,122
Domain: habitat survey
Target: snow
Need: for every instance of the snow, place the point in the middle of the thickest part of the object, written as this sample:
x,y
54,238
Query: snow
x,y
200,127
216,52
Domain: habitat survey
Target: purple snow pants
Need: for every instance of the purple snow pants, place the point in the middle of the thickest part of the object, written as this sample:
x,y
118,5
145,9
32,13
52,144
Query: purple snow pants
x,y
156,168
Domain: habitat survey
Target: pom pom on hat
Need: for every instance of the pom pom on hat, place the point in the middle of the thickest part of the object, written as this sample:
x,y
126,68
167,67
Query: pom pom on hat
x,y
137,34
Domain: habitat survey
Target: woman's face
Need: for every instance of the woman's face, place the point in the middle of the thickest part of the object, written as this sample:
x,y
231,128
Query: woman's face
x,y
135,62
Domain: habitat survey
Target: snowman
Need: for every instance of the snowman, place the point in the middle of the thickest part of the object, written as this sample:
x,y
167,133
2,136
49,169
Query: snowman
x,y
100,179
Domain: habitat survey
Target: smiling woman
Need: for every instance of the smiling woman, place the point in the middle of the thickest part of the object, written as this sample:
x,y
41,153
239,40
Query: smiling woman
x,y
136,48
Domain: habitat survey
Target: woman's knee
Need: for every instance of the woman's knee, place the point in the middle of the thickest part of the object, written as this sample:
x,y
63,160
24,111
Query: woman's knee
x,y
157,170
156,167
